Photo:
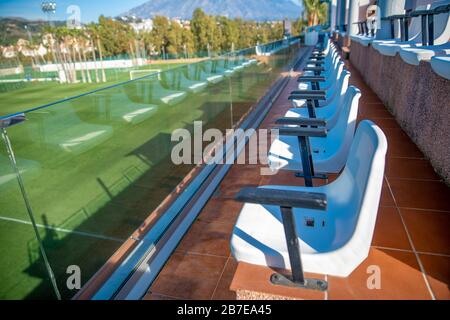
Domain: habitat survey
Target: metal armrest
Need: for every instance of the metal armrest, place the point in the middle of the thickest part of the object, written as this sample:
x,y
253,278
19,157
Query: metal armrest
x,y
316,69
316,62
283,198
311,79
314,96
302,132
302,121
321,92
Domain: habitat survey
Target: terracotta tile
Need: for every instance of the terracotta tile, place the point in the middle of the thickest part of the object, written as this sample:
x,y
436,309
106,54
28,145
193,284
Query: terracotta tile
x,y
410,169
207,238
223,291
154,296
243,174
400,278
228,190
420,194
396,134
386,123
429,231
389,230
223,211
374,113
437,269
189,276
370,99
288,178
386,196
400,145
257,278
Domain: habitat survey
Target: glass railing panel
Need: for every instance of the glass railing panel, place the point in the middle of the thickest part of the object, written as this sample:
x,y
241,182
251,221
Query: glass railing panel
x,y
103,160
23,271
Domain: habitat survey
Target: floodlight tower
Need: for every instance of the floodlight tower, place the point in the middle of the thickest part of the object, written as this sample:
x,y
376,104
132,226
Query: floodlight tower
x,y
49,8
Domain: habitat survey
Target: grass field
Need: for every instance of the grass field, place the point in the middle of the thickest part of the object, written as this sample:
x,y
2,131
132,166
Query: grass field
x,y
35,94
93,176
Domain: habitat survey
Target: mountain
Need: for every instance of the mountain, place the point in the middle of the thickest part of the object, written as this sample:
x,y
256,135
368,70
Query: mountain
x,y
13,28
261,10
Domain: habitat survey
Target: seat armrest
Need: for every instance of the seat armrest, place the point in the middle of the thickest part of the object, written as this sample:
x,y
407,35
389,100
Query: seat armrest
x,y
315,96
316,69
316,62
321,92
283,198
311,79
302,121
302,132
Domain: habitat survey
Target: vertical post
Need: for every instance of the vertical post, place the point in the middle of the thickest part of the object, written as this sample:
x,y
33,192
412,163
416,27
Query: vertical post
x,y
405,28
310,106
12,159
293,245
424,30
305,153
430,29
402,29
392,28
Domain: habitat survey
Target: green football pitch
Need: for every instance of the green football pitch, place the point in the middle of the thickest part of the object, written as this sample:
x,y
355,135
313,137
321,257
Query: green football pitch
x,y
93,173
35,94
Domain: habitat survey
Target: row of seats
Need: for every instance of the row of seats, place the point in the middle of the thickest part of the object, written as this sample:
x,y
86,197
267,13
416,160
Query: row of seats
x,y
417,41
323,229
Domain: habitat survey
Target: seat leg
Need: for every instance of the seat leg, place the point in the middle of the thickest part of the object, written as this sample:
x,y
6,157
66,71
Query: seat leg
x,y
297,278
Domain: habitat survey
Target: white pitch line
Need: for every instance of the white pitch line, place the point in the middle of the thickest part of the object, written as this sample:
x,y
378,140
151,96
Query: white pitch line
x,y
81,233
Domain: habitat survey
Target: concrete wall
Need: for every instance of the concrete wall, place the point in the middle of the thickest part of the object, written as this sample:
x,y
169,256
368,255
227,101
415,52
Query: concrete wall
x,y
418,98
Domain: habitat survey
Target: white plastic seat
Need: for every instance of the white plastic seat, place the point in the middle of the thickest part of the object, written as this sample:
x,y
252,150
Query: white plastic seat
x,y
329,82
414,30
441,65
330,111
341,236
60,126
118,106
154,93
441,33
330,153
176,79
414,55
337,87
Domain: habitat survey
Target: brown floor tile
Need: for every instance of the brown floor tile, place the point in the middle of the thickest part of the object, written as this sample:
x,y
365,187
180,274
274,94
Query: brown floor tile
x,y
401,278
228,190
189,276
207,238
410,169
386,123
386,196
288,178
374,113
389,230
257,278
154,296
428,231
222,211
437,269
223,291
422,194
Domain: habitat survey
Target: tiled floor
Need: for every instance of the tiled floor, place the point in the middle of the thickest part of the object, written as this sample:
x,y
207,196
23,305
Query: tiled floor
x,y
411,244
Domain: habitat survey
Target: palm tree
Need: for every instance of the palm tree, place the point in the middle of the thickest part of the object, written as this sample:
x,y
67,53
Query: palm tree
x,y
315,12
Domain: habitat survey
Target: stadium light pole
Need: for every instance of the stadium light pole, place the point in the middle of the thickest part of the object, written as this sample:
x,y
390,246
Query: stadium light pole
x,y
49,8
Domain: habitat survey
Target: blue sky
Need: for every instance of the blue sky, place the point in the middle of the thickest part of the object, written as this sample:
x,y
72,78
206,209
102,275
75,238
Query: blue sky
x,y
90,9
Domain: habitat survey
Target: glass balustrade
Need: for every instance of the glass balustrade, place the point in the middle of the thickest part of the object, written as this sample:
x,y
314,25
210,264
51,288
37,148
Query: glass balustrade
x,y
95,166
